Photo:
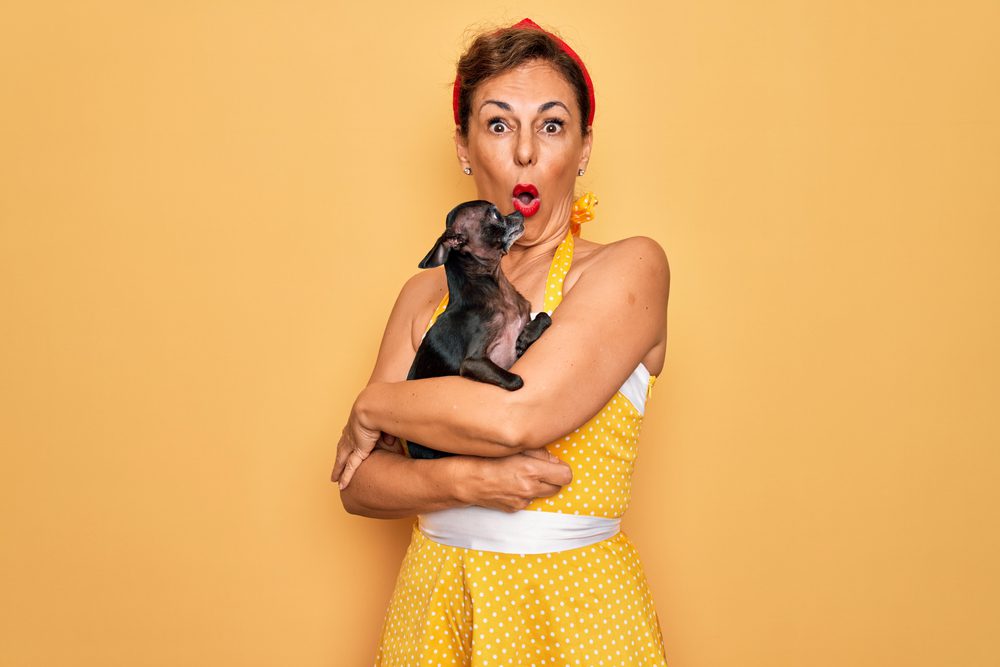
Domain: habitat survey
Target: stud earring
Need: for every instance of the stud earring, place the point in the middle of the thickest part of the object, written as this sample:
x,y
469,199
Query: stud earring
x,y
468,171
579,172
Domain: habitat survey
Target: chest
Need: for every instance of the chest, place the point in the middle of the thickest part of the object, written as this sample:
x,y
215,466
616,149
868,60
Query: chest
x,y
502,350
510,313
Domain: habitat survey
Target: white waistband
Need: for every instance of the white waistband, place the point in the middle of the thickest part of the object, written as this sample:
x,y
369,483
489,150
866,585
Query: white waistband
x,y
524,532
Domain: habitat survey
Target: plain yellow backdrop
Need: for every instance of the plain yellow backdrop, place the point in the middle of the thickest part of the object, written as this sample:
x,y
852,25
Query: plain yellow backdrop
x,y
207,209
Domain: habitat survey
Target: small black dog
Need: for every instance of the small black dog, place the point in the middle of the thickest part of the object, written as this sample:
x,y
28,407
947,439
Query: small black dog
x,y
487,324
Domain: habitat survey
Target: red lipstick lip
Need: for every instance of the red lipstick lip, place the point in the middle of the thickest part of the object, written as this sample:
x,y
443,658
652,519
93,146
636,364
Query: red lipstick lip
x,y
527,210
521,188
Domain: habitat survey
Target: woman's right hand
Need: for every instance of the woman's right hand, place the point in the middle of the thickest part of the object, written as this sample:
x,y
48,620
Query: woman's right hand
x,y
510,483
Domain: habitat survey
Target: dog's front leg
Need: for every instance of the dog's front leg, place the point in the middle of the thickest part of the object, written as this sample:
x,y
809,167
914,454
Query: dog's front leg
x,y
482,369
531,332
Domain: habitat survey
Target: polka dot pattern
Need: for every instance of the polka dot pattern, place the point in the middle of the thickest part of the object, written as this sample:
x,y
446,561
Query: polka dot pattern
x,y
459,607
602,455
561,262
585,606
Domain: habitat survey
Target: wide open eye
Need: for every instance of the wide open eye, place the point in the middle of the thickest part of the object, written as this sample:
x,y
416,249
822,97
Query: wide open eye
x,y
497,126
553,126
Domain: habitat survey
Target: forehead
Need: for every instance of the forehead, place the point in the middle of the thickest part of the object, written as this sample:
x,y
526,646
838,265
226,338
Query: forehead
x,y
525,87
467,215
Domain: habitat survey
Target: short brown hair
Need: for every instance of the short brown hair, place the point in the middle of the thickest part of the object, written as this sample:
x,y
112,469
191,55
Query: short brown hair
x,y
502,50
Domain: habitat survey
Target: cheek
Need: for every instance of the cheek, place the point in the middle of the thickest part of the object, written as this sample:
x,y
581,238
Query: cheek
x,y
559,160
494,173
558,173
492,159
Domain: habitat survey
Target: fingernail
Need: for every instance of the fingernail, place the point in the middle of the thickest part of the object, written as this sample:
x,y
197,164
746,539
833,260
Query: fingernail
x,y
341,485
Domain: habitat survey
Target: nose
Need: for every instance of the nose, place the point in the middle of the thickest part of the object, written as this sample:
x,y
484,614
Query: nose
x,y
525,151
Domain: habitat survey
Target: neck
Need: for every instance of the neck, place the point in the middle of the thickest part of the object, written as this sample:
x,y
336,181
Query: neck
x,y
468,275
523,255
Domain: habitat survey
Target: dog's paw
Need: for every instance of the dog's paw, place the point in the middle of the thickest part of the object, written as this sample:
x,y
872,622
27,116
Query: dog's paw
x,y
514,384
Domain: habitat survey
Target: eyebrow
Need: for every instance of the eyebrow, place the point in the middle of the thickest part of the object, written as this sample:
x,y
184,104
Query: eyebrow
x,y
548,105
502,105
542,109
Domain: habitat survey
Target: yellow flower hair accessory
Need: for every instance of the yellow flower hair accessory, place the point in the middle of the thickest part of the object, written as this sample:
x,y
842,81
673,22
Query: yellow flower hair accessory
x,y
583,211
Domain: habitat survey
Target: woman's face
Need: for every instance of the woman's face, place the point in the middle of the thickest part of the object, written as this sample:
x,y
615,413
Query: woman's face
x,y
525,146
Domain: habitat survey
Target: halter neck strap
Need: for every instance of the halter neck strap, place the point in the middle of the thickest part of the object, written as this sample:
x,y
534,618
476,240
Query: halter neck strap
x,y
561,262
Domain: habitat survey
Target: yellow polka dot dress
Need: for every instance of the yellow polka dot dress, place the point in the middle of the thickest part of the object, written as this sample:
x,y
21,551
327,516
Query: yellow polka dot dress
x,y
556,584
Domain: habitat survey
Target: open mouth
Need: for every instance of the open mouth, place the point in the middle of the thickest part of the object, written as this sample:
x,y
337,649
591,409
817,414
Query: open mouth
x,y
525,199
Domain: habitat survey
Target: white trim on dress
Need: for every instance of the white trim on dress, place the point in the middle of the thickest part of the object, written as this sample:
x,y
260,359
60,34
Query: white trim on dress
x,y
524,532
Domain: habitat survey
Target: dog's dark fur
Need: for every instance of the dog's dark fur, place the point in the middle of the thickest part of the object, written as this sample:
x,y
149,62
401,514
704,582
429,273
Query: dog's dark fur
x,y
487,324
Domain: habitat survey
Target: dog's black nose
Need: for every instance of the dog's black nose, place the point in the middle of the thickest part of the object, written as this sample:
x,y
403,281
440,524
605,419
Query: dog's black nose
x,y
515,218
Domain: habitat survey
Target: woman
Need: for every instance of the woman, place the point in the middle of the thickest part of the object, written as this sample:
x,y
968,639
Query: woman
x,y
511,561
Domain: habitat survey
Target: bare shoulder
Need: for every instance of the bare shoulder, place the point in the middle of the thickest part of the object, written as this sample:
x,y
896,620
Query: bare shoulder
x,y
638,259
640,249
418,298
425,285
629,281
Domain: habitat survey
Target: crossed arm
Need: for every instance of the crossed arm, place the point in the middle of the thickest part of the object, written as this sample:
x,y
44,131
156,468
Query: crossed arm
x,y
614,315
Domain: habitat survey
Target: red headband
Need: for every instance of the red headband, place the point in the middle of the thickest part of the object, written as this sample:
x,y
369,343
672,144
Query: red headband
x,y
528,23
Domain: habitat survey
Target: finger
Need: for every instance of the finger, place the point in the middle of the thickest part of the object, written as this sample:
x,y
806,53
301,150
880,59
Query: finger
x,y
516,504
545,490
346,475
556,473
353,461
542,454
391,443
344,449
386,444
349,468
338,464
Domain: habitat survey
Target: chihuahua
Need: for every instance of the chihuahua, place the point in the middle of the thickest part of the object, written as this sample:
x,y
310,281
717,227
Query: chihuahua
x,y
487,324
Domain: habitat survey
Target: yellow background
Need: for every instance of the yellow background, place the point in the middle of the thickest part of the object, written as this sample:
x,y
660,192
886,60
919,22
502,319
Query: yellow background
x,y
207,208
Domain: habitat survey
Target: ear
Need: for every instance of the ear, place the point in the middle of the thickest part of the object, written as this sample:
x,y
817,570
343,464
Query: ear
x,y
462,148
438,254
588,143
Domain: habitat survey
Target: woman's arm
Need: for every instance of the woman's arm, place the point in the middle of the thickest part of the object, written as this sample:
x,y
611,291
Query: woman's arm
x,y
414,486
614,315
393,486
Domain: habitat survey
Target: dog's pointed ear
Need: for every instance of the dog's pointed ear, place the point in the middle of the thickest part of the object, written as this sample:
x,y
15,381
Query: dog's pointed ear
x,y
438,254
442,248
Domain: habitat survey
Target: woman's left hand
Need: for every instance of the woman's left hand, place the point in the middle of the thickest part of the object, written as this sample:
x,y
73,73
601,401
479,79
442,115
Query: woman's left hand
x,y
356,442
